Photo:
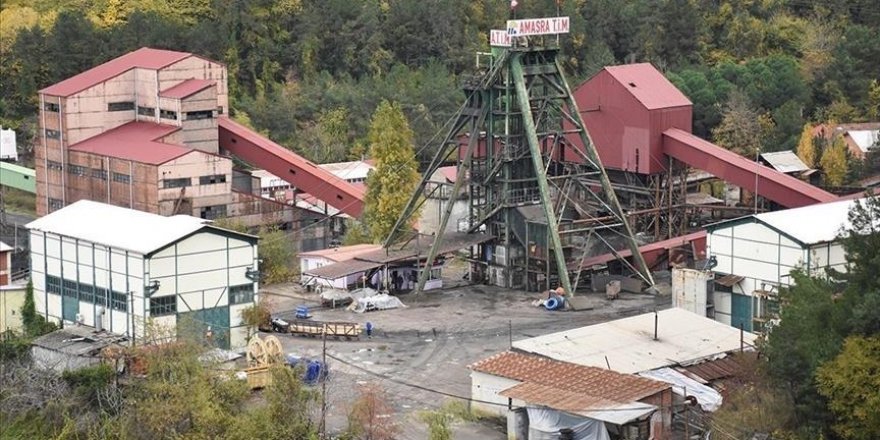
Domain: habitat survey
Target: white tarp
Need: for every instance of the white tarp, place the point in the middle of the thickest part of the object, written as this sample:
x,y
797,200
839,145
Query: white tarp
x,y
707,397
545,423
382,301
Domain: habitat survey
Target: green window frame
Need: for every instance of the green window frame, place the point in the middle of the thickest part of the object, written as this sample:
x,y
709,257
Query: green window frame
x,y
241,294
163,305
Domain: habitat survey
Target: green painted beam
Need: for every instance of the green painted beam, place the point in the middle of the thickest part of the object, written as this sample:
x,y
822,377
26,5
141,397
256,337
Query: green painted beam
x,y
522,96
18,177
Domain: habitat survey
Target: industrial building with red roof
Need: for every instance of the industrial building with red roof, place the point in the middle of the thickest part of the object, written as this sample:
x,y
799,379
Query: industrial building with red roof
x,y
149,130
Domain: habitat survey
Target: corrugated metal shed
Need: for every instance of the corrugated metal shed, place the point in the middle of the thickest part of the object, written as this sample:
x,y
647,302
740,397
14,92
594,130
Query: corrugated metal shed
x,y
628,346
342,253
784,162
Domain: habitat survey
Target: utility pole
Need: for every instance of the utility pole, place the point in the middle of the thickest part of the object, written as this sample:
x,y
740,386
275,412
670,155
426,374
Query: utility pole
x,y
323,380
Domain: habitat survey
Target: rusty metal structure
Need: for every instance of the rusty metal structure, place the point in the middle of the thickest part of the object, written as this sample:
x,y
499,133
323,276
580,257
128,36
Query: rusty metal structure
x,y
517,118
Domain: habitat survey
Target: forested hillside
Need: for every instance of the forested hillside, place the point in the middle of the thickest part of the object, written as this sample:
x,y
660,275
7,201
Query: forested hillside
x,y
309,73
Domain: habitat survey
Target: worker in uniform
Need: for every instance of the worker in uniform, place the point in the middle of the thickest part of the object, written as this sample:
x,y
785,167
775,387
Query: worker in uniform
x,y
369,329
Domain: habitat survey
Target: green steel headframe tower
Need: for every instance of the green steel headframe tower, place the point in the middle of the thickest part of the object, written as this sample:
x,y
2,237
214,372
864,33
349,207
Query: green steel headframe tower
x,y
516,118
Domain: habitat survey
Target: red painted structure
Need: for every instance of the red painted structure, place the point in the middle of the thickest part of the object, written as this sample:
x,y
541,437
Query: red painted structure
x,y
731,167
255,149
626,109
653,252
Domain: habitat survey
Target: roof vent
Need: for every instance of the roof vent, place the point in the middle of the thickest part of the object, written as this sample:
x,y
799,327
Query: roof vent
x,y
632,84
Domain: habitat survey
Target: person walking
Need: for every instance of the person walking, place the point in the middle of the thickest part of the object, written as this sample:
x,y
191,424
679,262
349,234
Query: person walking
x,y
369,330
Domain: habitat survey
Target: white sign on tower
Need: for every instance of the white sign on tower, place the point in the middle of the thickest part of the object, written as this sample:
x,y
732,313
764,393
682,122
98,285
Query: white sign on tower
x,y
499,38
537,26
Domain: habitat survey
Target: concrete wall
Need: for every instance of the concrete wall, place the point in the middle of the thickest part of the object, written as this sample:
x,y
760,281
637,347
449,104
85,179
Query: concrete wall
x,y
11,301
139,193
485,388
89,263
199,270
86,113
199,68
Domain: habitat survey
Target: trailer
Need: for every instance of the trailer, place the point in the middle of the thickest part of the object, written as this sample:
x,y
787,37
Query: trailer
x,y
335,329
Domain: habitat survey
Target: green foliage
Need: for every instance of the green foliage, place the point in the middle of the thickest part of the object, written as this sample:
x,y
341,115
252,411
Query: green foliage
x,y
355,233
258,315
13,347
811,329
396,175
862,243
87,382
438,425
34,324
852,386
740,129
276,250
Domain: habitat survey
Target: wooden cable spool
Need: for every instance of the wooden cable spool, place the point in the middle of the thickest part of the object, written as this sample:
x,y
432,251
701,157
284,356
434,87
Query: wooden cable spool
x,y
257,355
273,350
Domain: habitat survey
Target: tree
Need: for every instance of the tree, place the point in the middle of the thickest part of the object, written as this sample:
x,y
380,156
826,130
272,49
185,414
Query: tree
x,y
873,111
833,162
33,323
811,328
861,241
371,417
851,384
740,130
806,148
396,176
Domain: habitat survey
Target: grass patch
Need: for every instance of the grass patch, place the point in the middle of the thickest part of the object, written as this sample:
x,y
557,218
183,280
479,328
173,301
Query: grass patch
x,y
19,201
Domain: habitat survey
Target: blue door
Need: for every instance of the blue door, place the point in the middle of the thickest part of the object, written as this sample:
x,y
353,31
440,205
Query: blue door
x,y
210,325
741,311
69,301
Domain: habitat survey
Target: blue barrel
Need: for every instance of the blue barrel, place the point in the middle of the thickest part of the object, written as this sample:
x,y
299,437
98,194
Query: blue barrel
x,y
302,312
553,303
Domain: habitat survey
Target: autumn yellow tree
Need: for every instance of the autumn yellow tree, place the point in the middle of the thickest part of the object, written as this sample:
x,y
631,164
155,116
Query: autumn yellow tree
x,y
833,162
806,149
396,176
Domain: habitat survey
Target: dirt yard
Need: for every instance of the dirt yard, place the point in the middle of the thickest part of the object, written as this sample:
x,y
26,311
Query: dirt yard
x,y
431,342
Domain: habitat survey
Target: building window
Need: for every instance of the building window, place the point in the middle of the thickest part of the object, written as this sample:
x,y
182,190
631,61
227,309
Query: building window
x,y
53,284
52,165
209,180
51,107
242,294
205,114
176,183
147,111
101,296
86,292
163,305
213,212
53,134
121,178
76,170
120,106
69,288
55,204
118,301
99,174
167,114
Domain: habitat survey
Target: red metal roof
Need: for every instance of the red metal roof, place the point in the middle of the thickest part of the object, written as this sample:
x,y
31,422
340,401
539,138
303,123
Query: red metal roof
x,y
648,85
662,245
187,88
144,57
135,141
731,167
450,173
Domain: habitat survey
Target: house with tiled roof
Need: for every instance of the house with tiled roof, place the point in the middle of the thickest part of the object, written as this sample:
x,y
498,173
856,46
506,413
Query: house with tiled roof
x,y
548,395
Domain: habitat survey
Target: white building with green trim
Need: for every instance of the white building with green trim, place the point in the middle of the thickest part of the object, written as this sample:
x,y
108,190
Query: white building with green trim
x,y
127,271
756,254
